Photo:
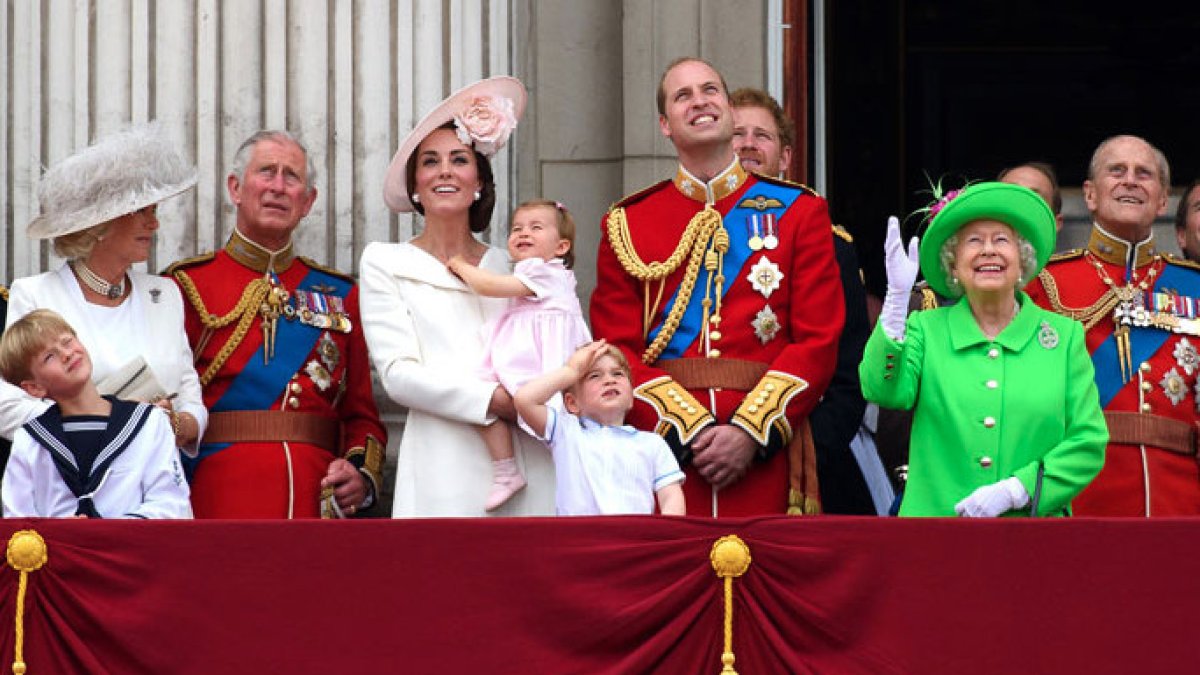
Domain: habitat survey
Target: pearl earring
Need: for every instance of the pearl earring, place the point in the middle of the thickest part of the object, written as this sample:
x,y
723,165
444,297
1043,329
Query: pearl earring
x,y
478,194
416,198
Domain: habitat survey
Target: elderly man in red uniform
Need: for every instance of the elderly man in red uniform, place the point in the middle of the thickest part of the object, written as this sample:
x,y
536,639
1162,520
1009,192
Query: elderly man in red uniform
x,y
721,287
1141,310
293,430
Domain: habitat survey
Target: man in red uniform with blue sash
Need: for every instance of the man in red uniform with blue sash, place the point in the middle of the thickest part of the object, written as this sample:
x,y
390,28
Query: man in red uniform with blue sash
x,y
293,430
722,289
1139,308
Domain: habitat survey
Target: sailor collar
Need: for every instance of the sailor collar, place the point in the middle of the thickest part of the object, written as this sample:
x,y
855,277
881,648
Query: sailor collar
x,y
722,185
258,257
1114,250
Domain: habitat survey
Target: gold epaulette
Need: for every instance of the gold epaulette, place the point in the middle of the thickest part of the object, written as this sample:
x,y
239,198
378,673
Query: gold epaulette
x,y
634,197
326,269
189,262
676,407
765,406
1181,262
787,183
841,232
1067,255
4,292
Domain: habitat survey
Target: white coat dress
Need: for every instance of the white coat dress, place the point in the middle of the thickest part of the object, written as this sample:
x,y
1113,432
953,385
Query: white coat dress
x,y
424,332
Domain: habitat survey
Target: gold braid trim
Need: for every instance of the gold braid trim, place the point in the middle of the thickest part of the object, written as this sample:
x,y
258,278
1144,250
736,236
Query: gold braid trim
x,y
244,312
694,243
1089,316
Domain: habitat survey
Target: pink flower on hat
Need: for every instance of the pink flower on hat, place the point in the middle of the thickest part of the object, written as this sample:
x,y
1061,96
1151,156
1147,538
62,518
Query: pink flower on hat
x,y
487,121
941,203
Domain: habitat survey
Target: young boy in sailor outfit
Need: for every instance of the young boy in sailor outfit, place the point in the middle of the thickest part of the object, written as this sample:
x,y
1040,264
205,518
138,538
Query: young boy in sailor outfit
x,y
88,455
602,466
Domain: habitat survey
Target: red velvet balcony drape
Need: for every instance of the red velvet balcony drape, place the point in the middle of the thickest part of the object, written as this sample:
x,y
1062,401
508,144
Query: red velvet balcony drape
x,y
608,595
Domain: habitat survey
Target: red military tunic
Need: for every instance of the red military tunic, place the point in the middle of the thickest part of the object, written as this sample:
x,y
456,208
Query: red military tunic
x,y
1147,379
319,373
758,355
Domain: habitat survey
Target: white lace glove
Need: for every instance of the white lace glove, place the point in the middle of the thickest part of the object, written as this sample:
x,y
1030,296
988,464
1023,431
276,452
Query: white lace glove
x,y
902,271
993,500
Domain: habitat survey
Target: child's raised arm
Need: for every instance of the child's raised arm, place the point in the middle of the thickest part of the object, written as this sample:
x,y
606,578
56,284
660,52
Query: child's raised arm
x,y
485,283
532,396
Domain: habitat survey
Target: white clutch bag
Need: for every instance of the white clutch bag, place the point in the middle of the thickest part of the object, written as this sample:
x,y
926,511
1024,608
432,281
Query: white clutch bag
x,y
134,381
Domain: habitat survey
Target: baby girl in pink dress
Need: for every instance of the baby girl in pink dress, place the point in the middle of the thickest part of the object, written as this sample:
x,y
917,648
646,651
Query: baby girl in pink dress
x,y
542,326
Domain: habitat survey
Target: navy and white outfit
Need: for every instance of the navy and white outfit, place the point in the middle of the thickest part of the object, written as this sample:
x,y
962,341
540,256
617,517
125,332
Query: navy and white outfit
x,y
122,466
603,470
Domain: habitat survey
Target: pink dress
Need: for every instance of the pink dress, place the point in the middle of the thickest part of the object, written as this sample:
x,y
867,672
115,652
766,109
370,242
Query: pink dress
x,y
536,333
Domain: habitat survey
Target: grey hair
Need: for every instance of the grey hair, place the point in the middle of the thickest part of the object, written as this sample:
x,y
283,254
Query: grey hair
x,y
1026,256
1164,169
242,157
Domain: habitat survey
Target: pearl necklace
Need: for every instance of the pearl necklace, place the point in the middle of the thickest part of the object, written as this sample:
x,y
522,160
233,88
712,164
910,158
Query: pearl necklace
x,y
97,284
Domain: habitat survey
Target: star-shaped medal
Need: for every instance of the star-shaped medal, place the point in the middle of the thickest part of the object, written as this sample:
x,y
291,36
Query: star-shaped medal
x,y
765,277
766,324
1186,356
1173,386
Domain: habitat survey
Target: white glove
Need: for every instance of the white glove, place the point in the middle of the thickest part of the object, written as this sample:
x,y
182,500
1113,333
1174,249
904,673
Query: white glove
x,y
993,500
902,271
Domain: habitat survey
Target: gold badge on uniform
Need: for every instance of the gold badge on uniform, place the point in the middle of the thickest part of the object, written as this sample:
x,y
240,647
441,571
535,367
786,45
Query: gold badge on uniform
x,y
1173,386
328,349
765,277
1047,336
319,375
766,324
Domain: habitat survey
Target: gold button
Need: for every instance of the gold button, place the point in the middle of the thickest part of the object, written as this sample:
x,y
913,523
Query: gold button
x,y
1146,407
993,353
295,388
714,353
985,461
1145,366
769,387
677,398
715,335
992,384
761,399
753,409
1146,386
691,409
989,422
671,392
294,402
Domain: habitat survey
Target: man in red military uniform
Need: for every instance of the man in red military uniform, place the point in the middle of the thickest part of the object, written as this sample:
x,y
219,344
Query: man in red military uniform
x,y
1140,310
293,430
722,289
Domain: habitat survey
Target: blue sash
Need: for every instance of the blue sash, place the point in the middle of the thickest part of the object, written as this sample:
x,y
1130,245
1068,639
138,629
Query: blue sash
x,y
1144,341
260,384
735,258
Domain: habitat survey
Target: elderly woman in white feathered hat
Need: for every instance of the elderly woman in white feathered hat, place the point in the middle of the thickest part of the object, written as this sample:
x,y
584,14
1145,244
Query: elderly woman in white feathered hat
x,y
98,208
424,325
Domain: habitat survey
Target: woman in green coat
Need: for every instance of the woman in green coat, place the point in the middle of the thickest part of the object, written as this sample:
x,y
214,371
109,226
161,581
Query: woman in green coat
x,y
1005,406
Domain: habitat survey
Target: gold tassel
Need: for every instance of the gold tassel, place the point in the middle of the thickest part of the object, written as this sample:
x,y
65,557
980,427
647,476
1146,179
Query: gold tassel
x,y
730,557
26,553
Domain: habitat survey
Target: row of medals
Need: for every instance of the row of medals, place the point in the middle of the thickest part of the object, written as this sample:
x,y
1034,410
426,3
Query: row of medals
x,y
760,227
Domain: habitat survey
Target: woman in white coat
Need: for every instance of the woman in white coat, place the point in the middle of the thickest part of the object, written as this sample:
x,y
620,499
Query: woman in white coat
x,y
424,326
98,207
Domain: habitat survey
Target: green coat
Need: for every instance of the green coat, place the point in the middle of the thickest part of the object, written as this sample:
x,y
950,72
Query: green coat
x,y
989,409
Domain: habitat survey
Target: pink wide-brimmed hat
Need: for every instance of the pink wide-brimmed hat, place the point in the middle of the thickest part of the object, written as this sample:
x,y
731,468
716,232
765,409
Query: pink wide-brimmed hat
x,y
484,115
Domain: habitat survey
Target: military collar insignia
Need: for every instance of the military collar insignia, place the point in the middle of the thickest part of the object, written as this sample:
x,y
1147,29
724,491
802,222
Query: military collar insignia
x,y
765,276
257,257
721,186
1116,251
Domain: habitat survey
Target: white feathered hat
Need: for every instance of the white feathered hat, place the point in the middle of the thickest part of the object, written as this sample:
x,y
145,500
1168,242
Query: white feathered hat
x,y
118,174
